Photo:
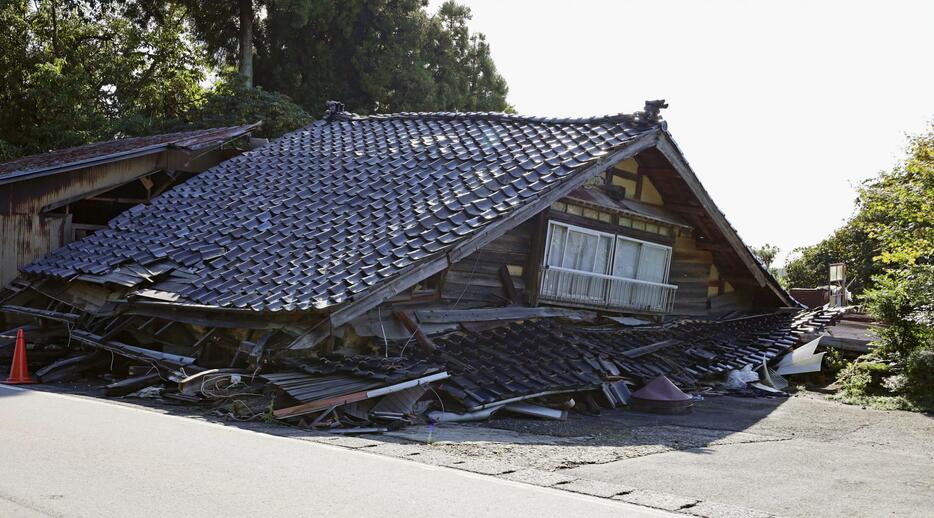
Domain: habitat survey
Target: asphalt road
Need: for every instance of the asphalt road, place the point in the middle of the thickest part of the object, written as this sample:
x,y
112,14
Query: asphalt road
x,y
805,457
73,456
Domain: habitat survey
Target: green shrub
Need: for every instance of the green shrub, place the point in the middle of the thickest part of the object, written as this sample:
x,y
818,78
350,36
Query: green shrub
x,y
232,103
8,151
919,371
864,377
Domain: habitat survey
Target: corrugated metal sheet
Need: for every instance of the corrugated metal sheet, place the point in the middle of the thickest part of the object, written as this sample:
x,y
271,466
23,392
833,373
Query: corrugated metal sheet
x,y
306,387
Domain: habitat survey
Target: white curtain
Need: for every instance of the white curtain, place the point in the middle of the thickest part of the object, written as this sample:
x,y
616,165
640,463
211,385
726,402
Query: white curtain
x,y
653,263
590,251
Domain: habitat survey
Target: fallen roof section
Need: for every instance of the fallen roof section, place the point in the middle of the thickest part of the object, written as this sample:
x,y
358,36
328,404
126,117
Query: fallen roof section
x,y
531,358
347,207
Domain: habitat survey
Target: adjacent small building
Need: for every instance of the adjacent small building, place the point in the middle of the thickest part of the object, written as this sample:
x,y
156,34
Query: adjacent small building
x,y
51,199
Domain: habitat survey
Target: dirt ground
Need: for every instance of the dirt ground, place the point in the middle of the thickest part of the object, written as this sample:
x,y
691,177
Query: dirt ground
x,y
732,456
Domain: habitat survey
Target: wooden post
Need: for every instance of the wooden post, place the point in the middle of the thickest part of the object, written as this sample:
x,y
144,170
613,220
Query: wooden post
x,y
508,286
423,341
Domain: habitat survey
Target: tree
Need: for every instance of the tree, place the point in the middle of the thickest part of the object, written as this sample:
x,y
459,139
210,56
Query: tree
x,y
73,72
766,253
226,28
245,41
897,211
79,71
231,102
375,55
809,267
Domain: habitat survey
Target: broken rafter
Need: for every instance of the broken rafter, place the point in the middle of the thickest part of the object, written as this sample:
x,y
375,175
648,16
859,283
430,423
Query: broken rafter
x,y
132,352
443,316
68,318
420,337
508,286
651,348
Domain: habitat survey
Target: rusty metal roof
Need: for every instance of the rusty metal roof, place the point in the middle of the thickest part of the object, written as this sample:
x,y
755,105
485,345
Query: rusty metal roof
x,y
101,152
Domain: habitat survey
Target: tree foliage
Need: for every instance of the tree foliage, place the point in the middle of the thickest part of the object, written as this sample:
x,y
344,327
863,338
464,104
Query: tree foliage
x,y
809,267
766,253
898,207
374,55
897,211
79,71
73,72
231,103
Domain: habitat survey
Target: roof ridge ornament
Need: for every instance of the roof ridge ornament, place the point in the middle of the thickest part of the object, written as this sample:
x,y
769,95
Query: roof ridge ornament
x,y
335,110
653,110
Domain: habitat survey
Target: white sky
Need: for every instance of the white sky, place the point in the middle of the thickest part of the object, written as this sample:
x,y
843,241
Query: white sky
x,y
781,108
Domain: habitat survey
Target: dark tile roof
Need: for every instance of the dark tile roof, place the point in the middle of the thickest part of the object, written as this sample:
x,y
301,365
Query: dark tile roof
x,y
534,357
190,140
322,214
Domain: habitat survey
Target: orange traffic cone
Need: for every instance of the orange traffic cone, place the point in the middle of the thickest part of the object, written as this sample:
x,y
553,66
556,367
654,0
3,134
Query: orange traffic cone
x,y
19,372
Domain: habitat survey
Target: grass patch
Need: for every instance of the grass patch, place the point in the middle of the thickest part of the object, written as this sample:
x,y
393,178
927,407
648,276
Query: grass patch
x,y
884,402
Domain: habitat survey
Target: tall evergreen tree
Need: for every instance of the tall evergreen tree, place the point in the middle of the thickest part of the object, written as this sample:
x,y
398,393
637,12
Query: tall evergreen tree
x,y
375,55
78,71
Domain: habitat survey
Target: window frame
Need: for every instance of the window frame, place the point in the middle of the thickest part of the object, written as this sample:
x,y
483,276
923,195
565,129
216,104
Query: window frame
x,y
643,244
612,256
583,230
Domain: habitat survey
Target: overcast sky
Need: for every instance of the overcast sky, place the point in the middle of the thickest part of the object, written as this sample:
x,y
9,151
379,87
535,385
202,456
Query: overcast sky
x,y
781,108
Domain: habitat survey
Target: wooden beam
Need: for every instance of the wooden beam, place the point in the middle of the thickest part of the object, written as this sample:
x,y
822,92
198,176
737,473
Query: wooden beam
x,y
508,285
68,318
686,209
165,185
713,246
103,199
420,338
85,195
651,348
444,316
536,257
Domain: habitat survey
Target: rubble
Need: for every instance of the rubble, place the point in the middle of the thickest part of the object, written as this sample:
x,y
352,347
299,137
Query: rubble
x,y
536,367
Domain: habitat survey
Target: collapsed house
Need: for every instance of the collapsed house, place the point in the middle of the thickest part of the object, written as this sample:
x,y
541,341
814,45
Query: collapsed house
x,y
361,261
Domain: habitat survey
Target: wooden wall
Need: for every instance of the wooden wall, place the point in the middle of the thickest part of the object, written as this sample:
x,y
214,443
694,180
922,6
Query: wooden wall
x,y
475,280
690,271
27,237
701,288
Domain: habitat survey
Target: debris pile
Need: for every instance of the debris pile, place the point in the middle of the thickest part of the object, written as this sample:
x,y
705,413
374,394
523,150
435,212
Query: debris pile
x,y
536,358
541,367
